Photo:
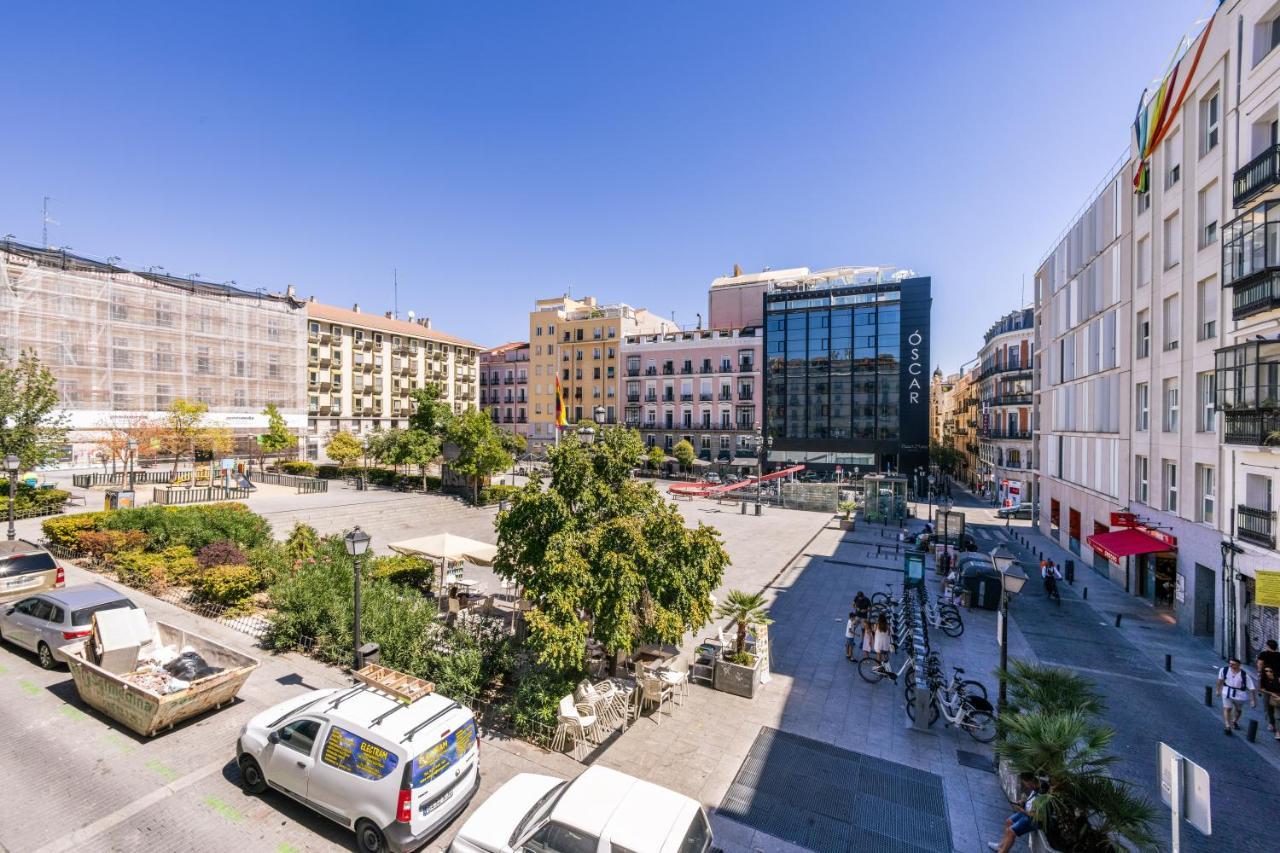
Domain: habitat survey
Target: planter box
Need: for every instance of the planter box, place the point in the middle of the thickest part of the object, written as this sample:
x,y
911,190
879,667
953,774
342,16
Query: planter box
x,y
846,523
736,679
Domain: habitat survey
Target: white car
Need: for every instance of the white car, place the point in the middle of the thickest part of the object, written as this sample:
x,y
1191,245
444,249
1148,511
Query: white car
x,y
395,772
600,811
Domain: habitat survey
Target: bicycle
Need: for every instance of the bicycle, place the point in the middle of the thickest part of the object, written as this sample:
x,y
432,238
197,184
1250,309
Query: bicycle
x,y
873,671
973,714
945,616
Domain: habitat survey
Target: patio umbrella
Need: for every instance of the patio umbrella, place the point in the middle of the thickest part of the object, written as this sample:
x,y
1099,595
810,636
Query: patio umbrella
x,y
445,547
701,463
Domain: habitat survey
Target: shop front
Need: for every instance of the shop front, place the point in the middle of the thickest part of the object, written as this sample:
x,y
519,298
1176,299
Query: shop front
x,y
1150,557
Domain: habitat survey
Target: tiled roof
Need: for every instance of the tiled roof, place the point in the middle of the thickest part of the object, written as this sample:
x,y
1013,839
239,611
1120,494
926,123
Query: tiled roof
x,y
359,319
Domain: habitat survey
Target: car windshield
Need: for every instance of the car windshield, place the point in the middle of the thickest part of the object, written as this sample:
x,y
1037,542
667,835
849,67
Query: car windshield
x,y
25,564
84,616
540,809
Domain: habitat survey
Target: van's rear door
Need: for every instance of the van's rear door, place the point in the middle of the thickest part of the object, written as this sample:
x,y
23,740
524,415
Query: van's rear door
x,y
444,771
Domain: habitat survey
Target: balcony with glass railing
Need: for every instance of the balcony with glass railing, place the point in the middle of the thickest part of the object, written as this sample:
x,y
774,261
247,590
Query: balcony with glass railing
x,y
1247,392
1251,260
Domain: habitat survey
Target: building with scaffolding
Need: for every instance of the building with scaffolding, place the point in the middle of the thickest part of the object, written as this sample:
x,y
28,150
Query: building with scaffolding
x,y
125,344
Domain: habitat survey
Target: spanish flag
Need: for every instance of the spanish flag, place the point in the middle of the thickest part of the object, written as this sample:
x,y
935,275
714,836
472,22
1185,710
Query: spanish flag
x,y
562,411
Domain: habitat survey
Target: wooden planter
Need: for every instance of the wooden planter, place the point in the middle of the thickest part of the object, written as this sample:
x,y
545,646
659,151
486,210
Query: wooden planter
x,y
737,679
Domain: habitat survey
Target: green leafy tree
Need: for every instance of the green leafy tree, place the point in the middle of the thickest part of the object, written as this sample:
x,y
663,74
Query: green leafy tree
x,y
599,550
430,413
745,609
184,429
277,439
684,454
416,448
344,448
482,448
380,446
31,428
656,457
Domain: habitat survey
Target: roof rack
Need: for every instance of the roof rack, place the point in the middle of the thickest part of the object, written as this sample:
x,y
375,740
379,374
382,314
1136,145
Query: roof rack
x,y
404,688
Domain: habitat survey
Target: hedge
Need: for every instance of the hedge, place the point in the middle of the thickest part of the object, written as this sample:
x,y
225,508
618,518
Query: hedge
x,y
497,492
405,570
64,530
299,467
193,526
379,477
175,566
227,584
27,499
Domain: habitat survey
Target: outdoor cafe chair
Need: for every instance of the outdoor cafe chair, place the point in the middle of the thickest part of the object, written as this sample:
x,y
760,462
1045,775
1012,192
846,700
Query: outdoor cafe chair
x,y
655,691
601,706
574,722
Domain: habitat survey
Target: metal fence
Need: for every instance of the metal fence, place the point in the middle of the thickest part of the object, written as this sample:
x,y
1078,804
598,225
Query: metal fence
x,y
202,494
248,622
100,478
304,485
31,512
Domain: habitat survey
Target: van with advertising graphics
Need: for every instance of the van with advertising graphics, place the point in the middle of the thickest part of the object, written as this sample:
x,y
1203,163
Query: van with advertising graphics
x,y
389,758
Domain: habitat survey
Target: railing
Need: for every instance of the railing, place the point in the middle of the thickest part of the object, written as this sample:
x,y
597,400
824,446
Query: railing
x,y
1256,525
85,481
1012,400
304,485
1251,426
1255,294
203,494
746,367
1004,368
668,371
705,398
1256,176
746,395
633,371
1021,434
651,371
633,398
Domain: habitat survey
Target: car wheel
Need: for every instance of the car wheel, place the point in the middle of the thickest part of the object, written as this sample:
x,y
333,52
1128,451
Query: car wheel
x,y
251,776
369,839
47,660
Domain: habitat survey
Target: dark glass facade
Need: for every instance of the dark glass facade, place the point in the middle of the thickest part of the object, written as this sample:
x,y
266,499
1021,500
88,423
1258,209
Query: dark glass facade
x,y
845,374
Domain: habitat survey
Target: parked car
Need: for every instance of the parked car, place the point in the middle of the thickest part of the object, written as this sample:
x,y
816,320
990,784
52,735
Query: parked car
x,y
395,772
713,478
46,622
26,568
602,809
1019,511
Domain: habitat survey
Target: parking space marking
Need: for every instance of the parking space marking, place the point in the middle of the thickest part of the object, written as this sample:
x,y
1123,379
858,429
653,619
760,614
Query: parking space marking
x,y
73,713
30,688
164,772
82,836
222,808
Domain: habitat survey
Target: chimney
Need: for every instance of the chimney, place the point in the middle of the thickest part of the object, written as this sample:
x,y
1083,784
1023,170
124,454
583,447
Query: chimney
x,y
290,291
356,308
311,298
737,270
387,314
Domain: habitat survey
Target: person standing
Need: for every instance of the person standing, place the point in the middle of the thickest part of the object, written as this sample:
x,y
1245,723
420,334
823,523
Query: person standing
x,y
850,635
1269,657
861,606
1269,687
882,641
868,638
1235,684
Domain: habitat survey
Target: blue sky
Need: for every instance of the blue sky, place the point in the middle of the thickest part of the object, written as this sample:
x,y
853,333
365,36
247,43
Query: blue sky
x,y
497,153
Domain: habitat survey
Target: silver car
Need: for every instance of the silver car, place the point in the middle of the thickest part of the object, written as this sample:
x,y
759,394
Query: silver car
x,y
46,622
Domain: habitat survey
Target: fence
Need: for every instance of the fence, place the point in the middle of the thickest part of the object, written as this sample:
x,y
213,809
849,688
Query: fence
x,y
203,494
99,478
31,512
252,623
304,485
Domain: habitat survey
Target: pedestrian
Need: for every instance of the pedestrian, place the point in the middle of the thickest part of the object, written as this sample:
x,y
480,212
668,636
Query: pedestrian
x,y
1235,684
861,606
850,635
1269,657
1051,575
1269,686
882,644
868,638
1021,821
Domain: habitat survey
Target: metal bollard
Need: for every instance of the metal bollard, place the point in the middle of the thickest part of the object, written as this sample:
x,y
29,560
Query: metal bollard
x,y
1252,733
1168,663
1208,695
1086,593
1118,615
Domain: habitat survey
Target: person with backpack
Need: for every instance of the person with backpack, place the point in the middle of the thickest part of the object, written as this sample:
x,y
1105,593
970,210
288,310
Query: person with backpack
x,y
1235,683
1050,574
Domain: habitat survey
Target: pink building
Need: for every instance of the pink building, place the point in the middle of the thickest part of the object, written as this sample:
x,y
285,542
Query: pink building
x,y
504,386
737,301
701,385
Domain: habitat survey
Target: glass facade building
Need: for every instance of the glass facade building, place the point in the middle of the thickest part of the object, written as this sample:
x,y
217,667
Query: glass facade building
x,y
846,378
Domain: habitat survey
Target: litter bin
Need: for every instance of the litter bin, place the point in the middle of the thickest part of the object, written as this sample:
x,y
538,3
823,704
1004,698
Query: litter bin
x,y
118,499
360,486
979,578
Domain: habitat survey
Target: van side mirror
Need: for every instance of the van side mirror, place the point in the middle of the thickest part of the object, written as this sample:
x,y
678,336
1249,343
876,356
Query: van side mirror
x,y
9,612
274,737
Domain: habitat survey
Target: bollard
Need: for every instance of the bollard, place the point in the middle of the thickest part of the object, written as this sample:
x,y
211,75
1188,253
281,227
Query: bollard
x,y
1208,695
1118,615
1168,663
1086,593
744,508
1252,734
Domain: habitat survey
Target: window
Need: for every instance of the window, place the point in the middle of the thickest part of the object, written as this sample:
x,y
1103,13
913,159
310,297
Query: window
x,y
556,838
1144,261
1206,494
1172,323
1172,241
1144,202
300,735
1210,109
1142,406
1172,160
1205,408
1170,397
356,755
1206,308
1170,486
1208,205
1141,473
1144,333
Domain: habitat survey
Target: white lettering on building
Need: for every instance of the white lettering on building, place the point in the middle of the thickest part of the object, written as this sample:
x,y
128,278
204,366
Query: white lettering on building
x,y
915,339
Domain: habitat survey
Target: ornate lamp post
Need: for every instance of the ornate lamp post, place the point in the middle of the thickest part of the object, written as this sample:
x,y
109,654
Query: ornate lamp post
x,y
133,459
1012,579
12,464
357,542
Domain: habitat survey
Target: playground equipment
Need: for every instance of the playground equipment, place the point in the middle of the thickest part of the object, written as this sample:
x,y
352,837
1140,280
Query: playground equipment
x,y
701,489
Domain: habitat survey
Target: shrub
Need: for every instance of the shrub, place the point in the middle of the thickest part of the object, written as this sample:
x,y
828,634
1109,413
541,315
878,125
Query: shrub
x,y
537,694
270,561
224,552
227,584
299,467
154,571
328,472
63,530
28,499
382,477
303,542
193,526
101,544
497,492
412,572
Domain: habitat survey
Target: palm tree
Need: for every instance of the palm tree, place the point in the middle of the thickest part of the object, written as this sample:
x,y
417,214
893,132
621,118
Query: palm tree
x,y
1050,689
744,608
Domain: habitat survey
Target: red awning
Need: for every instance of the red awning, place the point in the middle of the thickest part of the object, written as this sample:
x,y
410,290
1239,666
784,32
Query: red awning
x,y
1126,543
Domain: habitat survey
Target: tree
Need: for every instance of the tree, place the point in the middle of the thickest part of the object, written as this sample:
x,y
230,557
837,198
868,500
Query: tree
x,y
947,458
430,414
380,446
684,454
277,438
598,550
32,429
745,609
482,449
218,441
184,429
344,448
416,447
656,457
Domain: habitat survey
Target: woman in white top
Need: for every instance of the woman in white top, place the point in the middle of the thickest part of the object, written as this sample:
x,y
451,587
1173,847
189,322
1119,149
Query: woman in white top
x,y
868,638
882,639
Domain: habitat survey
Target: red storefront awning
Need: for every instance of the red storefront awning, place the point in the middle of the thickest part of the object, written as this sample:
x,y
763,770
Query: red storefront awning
x,y
1126,543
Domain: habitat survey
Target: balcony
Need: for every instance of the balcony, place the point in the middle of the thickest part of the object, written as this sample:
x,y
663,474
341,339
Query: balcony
x,y
633,398
746,367
706,368
1256,525
668,370
705,398
633,371
726,397
746,395
1011,400
1000,369
651,371
1252,427
668,398
1256,177
651,398
1251,260
686,398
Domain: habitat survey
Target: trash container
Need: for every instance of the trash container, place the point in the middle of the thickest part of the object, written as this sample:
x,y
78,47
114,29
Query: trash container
x,y
979,578
360,487
118,499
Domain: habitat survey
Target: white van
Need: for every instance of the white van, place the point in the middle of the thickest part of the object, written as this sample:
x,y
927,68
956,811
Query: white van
x,y
389,758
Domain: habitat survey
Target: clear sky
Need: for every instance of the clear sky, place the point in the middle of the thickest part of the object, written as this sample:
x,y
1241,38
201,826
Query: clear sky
x,y
499,152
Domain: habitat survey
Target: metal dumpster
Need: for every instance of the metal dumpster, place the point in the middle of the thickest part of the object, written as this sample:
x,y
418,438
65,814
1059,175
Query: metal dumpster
x,y
148,712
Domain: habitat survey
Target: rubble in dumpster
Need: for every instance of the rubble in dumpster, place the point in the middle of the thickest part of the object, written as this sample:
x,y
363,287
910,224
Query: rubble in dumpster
x,y
164,670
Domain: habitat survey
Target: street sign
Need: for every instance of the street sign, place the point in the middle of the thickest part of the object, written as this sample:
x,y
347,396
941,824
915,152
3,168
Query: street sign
x,y
1184,787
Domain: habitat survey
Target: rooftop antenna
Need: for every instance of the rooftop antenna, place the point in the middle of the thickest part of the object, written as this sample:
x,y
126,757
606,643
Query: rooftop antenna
x,y
395,293
45,222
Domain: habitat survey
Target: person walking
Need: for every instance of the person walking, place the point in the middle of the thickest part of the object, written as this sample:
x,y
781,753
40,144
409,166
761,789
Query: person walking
x,y
861,606
850,635
1050,574
1269,687
1269,658
882,641
1235,684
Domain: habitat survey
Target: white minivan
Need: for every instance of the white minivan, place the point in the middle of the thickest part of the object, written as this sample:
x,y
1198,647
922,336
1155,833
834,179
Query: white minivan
x,y
394,771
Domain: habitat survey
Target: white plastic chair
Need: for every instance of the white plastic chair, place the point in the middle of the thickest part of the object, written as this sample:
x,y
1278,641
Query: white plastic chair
x,y
678,681
656,691
576,722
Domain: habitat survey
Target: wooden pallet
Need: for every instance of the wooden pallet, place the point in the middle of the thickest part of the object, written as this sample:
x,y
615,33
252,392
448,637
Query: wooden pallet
x,y
405,688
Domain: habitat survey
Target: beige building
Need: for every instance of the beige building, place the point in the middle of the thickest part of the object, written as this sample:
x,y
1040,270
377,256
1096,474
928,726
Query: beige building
x,y
1005,457
504,386
941,421
124,344
578,340
361,367
960,421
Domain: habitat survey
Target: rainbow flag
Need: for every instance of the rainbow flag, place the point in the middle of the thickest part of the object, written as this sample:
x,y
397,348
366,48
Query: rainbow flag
x,y
1156,115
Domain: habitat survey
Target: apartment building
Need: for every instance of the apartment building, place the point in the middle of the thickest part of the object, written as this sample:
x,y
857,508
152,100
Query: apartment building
x,y
361,368
578,341
941,417
124,344
1005,452
699,385
737,301
962,402
504,386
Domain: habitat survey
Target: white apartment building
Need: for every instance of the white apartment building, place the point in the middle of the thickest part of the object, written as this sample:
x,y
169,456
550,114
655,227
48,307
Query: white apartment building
x,y
1005,452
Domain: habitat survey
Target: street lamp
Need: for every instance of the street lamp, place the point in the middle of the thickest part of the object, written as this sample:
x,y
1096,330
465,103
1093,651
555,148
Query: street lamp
x,y
586,434
357,542
599,415
1012,579
763,442
133,456
12,464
